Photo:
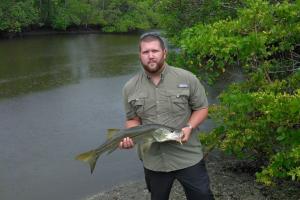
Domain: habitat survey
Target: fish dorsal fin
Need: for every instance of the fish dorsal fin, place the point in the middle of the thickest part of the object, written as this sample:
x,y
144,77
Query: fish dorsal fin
x,y
111,132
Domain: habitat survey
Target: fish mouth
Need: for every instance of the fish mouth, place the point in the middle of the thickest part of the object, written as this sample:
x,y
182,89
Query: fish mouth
x,y
163,135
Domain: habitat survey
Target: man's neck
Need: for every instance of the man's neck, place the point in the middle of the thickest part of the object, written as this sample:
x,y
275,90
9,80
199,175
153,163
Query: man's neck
x,y
156,77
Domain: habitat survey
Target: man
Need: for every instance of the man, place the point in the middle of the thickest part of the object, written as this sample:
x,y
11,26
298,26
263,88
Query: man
x,y
163,94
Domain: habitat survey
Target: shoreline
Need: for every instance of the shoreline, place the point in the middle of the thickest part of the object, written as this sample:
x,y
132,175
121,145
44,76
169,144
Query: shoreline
x,y
228,182
50,31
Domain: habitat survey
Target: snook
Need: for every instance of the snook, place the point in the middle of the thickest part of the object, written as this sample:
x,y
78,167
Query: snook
x,y
139,134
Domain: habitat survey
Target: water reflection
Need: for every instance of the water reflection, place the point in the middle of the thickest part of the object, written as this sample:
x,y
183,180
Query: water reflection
x,y
39,63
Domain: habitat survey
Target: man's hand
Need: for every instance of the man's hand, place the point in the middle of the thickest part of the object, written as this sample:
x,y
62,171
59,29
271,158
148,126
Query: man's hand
x,y
126,143
197,117
186,133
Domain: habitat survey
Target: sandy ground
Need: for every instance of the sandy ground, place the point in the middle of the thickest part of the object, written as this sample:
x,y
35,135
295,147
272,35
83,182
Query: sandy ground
x,y
227,183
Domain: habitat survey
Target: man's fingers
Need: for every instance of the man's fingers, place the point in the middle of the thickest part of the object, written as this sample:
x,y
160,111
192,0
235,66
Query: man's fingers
x,y
184,138
121,145
126,143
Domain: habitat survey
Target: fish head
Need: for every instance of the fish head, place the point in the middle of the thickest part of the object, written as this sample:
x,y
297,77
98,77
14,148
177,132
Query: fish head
x,y
163,135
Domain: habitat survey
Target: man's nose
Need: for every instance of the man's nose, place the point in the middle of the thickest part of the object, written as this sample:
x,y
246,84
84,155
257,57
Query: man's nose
x,y
151,54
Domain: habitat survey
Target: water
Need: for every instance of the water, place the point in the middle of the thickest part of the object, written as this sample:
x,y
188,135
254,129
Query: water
x,y
58,96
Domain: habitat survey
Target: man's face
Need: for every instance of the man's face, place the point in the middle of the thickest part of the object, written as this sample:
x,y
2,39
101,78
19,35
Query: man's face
x,y
152,56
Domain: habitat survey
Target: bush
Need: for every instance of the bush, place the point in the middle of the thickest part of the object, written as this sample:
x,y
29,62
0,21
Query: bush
x,y
16,15
260,33
129,15
263,126
177,15
258,119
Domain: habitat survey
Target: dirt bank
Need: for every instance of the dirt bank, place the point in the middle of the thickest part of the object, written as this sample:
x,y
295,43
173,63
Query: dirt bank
x,y
227,183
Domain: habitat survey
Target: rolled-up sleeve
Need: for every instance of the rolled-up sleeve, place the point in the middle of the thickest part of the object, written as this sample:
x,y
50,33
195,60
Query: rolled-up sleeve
x,y
129,110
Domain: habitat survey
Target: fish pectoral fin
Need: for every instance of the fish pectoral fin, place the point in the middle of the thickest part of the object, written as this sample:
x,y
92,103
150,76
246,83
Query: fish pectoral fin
x,y
111,132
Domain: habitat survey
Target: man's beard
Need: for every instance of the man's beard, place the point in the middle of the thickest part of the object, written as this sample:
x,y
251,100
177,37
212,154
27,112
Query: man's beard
x,y
153,67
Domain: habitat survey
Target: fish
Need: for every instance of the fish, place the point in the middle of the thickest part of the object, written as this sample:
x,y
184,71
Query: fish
x,y
139,134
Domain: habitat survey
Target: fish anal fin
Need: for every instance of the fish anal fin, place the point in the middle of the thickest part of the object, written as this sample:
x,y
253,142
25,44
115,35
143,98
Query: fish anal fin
x,y
111,132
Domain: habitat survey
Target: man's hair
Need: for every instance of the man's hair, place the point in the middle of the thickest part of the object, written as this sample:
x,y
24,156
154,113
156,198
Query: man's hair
x,y
152,36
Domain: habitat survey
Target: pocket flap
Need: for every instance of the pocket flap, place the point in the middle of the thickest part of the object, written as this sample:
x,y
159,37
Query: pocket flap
x,y
137,96
180,96
184,92
177,93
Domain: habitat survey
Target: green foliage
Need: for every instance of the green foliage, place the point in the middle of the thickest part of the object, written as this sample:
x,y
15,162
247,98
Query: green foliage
x,y
177,15
129,15
282,165
258,119
261,125
260,32
113,16
61,19
16,15
74,12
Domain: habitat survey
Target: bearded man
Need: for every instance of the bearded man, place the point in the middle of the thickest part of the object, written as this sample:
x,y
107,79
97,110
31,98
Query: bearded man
x,y
162,94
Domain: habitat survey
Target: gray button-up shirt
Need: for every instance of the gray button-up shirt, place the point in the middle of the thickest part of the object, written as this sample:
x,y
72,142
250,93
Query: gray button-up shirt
x,y
170,103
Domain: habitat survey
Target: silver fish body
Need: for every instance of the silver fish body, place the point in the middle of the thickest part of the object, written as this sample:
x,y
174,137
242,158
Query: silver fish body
x,y
139,134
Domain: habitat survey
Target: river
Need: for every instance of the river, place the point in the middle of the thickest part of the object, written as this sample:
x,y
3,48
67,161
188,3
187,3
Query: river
x,y
58,95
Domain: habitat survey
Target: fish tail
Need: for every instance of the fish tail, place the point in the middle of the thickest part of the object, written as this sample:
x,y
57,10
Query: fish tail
x,y
89,157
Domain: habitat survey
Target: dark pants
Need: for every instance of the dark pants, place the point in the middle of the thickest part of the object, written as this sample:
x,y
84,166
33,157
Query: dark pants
x,y
194,180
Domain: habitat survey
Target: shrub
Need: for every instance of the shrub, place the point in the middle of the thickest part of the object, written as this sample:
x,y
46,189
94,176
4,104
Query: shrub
x,y
260,33
263,126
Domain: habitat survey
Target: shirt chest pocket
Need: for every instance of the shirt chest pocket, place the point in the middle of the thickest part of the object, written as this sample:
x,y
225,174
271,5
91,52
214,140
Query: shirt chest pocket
x,y
137,102
179,100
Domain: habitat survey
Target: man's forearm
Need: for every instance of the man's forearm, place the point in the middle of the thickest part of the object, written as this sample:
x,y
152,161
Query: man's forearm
x,y
197,117
133,122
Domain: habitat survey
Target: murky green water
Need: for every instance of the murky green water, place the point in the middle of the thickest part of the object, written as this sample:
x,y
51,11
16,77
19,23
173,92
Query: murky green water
x,y
40,63
58,95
